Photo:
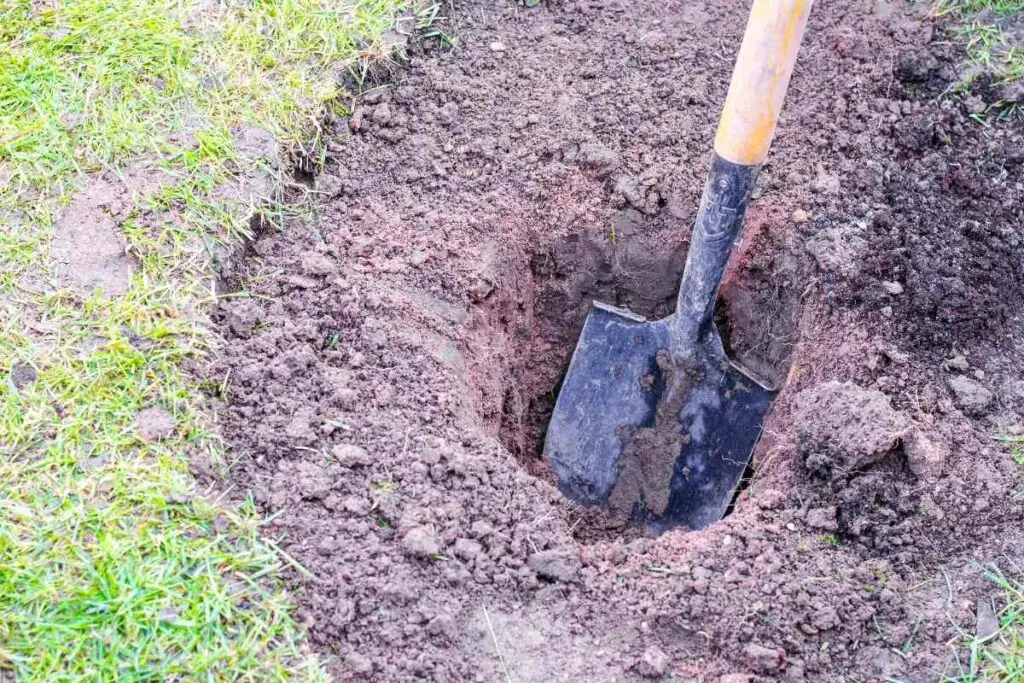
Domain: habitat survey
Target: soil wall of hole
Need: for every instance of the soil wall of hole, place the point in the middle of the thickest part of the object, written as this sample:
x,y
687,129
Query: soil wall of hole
x,y
388,382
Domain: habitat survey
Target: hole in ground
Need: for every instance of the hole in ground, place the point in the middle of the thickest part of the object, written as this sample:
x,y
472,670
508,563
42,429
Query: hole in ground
x,y
757,315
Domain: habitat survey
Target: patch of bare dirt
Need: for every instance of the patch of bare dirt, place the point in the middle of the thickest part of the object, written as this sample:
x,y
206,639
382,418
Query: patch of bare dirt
x,y
388,388
88,247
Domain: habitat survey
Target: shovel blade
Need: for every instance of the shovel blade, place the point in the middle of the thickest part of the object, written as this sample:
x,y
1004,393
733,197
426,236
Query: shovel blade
x,y
611,392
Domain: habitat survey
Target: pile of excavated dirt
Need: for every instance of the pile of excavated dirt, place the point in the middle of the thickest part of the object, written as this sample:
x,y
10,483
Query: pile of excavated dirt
x,y
388,383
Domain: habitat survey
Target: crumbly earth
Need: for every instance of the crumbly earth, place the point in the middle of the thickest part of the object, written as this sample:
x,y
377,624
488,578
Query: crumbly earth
x,y
387,384
649,453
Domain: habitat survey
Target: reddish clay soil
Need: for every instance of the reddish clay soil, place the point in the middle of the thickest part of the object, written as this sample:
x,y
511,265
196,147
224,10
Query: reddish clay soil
x,y
389,381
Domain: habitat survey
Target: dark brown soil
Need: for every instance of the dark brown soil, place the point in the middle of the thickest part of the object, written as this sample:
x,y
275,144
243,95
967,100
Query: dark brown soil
x,y
387,389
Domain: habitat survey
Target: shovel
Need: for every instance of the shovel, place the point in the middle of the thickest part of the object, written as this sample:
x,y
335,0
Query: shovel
x,y
653,420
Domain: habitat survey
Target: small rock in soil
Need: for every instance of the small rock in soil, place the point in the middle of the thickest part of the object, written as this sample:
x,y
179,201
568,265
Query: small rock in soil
x,y
735,678
764,659
893,288
988,623
654,663
154,423
497,46
555,565
22,375
969,394
421,542
800,216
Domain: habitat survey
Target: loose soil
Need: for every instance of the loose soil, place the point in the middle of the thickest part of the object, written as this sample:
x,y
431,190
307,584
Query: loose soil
x,y
388,384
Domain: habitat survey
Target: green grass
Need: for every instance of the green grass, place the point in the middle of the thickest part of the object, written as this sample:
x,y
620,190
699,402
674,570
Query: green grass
x,y
112,565
999,657
1002,659
976,23
1016,446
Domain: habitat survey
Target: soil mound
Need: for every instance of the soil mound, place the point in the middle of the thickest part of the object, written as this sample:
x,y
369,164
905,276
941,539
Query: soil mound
x,y
388,385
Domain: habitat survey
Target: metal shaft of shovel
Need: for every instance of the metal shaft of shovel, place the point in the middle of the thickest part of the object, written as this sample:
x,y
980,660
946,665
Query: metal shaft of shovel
x,y
745,130
653,420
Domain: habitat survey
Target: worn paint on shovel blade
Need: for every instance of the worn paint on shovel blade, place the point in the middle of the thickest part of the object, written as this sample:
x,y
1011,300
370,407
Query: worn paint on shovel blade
x,y
627,429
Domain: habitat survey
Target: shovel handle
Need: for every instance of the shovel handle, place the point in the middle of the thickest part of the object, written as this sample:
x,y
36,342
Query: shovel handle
x,y
759,81
758,87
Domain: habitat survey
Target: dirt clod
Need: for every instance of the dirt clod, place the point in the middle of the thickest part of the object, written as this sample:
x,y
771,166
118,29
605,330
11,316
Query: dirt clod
x,y
838,249
22,375
827,183
421,542
468,549
654,663
318,264
648,456
823,518
878,662
240,316
842,429
350,455
970,395
926,455
555,565
358,666
764,659
736,678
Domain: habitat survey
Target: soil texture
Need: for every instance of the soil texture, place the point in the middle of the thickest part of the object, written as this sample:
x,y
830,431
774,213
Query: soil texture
x,y
388,383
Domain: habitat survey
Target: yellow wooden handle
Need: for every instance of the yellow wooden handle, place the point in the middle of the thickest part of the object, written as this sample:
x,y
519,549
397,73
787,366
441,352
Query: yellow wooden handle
x,y
760,79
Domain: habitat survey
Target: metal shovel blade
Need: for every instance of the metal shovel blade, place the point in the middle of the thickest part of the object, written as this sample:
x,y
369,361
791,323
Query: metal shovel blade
x,y
653,421
662,434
